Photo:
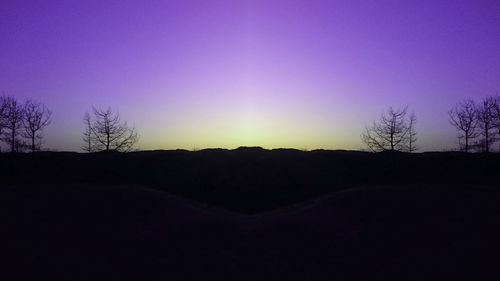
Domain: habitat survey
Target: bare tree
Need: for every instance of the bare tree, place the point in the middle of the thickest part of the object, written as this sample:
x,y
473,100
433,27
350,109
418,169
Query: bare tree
x,y
464,118
3,110
36,118
412,133
497,115
390,133
486,116
108,132
13,123
88,137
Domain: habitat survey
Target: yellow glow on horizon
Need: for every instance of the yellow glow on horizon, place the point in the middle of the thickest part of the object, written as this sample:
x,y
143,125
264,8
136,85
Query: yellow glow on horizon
x,y
230,135
250,122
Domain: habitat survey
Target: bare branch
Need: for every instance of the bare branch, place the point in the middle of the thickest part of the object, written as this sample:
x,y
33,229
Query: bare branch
x,y
464,118
391,132
107,132
36,118
487,122
12,124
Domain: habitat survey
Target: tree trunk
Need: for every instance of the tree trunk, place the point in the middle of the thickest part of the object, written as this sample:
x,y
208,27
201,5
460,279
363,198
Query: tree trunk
x,y
13,145
487,141
392,142
107,142
33,143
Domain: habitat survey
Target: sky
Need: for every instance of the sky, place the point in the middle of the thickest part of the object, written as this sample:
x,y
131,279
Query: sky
x,y
300,74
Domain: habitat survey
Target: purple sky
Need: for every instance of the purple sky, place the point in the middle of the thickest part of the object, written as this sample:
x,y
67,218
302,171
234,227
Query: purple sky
x,y
303,74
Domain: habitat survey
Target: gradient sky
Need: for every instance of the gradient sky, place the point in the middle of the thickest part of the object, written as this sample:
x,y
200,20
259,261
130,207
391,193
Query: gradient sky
x,y
303,74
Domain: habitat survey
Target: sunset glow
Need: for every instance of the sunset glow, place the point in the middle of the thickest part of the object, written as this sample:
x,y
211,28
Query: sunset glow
x,y
301,74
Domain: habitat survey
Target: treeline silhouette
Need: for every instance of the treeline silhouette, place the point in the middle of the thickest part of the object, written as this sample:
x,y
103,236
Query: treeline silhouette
x,y
477,125
21,124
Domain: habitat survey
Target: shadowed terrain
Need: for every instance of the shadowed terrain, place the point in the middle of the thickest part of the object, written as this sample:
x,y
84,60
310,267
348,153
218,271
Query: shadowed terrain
x,y
249,214
250,179
124,232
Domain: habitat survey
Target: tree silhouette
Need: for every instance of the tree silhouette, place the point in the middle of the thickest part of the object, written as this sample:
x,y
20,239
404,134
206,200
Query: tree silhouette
x,y
496,112
464,118
3,115
36,118
107,132
487,122
88,136
412,133
13,123
391,132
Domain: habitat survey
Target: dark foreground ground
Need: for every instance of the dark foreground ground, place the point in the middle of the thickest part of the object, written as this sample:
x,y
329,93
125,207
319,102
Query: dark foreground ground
x,y
371,232
250,179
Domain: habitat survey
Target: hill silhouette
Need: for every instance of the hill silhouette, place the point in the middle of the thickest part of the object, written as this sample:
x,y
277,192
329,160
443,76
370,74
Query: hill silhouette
x,y
249,214
250,179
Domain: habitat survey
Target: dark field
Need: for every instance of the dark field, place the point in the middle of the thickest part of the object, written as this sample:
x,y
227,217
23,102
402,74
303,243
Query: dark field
x,y
250,214
250,180
397,232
